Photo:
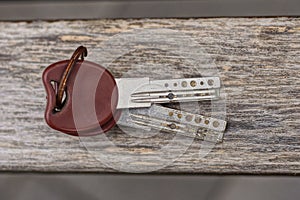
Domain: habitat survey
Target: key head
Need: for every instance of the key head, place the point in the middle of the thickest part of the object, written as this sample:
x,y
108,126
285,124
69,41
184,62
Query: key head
x,y
88,84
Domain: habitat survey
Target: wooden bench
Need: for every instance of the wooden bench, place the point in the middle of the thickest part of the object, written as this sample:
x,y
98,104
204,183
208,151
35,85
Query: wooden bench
x,y
258,60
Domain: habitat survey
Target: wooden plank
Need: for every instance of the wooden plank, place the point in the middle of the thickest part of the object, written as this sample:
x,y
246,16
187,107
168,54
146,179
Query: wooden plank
x,y
258,61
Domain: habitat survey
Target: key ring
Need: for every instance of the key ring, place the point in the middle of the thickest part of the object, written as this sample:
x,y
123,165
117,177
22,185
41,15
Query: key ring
x,y
79,52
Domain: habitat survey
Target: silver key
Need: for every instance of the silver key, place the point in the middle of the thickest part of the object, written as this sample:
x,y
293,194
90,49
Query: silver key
x,y
141,92
142,96
175,121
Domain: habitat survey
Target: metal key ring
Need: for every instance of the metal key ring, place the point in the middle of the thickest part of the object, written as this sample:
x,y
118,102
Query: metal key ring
x,y
79,52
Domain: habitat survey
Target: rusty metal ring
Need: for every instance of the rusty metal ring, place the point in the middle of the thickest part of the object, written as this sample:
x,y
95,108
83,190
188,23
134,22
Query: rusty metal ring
x,y
79,52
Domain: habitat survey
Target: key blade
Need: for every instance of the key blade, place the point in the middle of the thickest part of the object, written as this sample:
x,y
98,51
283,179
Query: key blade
x,y
175,121
135,92
165,126
187,118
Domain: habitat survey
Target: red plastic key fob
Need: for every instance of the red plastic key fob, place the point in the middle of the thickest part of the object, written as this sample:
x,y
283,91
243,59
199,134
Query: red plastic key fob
x,y
60,115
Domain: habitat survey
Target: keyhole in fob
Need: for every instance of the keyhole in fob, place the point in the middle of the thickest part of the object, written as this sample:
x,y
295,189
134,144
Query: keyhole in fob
x,y
55,85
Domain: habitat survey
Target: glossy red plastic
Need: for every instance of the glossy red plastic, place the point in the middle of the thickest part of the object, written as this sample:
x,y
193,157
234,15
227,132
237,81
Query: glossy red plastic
x,y
105,97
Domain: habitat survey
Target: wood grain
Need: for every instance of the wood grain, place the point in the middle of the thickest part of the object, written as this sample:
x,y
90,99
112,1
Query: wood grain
x,y
258,60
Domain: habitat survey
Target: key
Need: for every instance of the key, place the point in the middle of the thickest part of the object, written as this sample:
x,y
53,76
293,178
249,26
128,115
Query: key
x,y
132,95
174,121
137,102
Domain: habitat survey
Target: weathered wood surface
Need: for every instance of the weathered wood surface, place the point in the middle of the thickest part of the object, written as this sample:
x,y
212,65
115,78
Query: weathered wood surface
x,y
258,60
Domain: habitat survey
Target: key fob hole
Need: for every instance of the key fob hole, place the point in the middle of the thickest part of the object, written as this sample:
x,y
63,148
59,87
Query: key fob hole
x,y
64,100
55,85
